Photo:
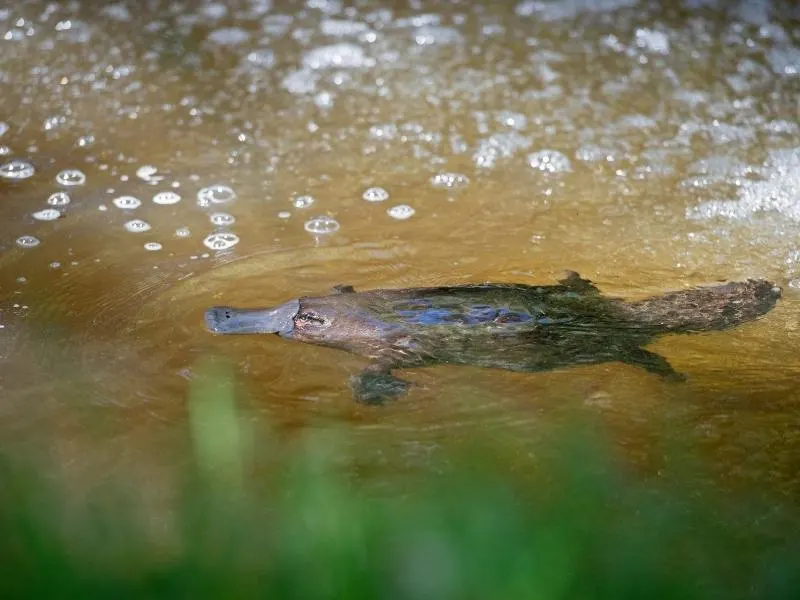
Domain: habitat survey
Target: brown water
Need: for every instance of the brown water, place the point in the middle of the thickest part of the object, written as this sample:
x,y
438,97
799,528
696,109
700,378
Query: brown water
x,y
649,148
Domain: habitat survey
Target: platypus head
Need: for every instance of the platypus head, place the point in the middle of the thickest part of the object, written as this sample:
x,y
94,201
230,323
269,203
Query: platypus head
x,y
280,320
339,320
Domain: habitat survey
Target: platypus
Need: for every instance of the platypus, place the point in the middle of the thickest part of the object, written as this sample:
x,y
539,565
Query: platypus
x,y
516,327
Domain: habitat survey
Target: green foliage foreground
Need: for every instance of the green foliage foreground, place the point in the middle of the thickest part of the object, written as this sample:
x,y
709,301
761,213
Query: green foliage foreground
x,y
581,528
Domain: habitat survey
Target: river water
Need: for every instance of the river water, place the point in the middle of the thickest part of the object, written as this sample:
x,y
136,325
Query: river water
x,y
162,157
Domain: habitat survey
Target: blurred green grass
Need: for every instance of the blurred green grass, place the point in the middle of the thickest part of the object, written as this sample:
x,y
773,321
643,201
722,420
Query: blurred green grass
x,y
582,527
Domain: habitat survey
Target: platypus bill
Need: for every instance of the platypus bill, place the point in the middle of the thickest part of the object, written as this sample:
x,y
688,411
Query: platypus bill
x,y
504,326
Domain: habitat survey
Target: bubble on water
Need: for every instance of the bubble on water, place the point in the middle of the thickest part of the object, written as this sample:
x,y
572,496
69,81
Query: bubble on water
x,y
449,181
375,194
146,172
427,35
166,198
322,224
4,127
137,226
776,190
71,177
221,219
228,36
55,265
27,241
652,41
549,161
401,212
215,194
499,146
303,201
183,232
262,58
5,150
85,141
48,214
299,82
342,28
284,214
785,60
116,12
221,241
215,10
152,246
17,169
127,202
555,11
338,56
59,199
51,123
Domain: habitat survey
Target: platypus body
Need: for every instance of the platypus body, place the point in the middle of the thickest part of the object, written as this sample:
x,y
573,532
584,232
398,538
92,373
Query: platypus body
x,y
504,326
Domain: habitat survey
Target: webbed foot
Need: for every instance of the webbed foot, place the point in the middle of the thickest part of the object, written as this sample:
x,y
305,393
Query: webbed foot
x,y
373,386
653,363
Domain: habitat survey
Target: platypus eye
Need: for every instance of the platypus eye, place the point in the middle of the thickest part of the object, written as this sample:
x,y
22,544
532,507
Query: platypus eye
x,y
309,318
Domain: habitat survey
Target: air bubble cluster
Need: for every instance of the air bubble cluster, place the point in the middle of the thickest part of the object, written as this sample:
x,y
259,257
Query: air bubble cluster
x,y
449,181
549,161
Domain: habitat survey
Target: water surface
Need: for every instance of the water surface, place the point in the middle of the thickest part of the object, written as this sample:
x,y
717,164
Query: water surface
x,y
201,153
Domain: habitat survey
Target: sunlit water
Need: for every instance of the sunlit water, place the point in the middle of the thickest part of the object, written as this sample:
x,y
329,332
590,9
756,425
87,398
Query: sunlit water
x,y
249,152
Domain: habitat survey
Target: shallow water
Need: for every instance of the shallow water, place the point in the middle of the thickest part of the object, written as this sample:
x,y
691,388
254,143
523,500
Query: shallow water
x,y
648,148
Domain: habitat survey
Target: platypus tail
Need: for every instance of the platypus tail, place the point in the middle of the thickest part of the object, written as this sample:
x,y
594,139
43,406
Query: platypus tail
x,y
705,308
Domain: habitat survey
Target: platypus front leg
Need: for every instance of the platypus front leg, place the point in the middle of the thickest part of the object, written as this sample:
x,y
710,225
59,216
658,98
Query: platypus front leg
x,y
377,385
653,363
